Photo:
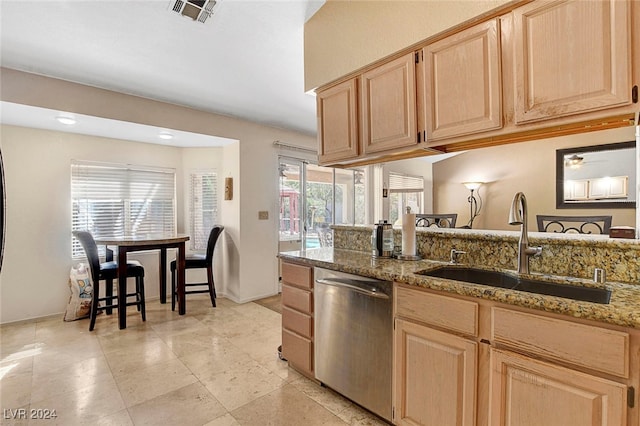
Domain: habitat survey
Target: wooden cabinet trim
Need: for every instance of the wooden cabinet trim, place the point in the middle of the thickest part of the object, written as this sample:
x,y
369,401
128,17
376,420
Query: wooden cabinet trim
x,y
298,322
297,275
297,298
297,316
602,81
523,389
337,113
388,112
298,351
445,393
463,81
460,316
595,348
582,116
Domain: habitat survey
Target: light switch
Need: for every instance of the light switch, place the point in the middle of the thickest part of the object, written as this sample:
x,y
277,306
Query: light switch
x,y
263,215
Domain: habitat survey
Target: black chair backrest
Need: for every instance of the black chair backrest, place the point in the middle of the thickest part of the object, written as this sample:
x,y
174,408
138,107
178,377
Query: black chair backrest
x,y
437,220
211,244
574,224
91,250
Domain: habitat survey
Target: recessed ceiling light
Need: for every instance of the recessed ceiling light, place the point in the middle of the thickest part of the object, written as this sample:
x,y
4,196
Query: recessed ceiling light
x,y
165,135
67,120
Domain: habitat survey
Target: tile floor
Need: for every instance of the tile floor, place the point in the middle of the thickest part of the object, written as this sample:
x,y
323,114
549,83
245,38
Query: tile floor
x,y
213,366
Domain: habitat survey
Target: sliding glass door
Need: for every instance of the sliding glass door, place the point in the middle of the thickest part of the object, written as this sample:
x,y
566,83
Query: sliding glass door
x,y
312,198
290,224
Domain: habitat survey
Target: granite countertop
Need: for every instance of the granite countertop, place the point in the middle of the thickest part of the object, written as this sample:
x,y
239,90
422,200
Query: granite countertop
x,y
623,309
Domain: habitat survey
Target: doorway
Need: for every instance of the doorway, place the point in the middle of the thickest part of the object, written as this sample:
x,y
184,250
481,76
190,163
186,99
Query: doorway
x,y
312,198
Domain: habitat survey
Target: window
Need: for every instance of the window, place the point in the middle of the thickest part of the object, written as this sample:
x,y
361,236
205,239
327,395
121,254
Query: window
x,y
116,200
203,208
405,191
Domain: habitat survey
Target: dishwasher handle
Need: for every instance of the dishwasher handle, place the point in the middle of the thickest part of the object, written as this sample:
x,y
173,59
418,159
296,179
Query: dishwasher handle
x,y
352,284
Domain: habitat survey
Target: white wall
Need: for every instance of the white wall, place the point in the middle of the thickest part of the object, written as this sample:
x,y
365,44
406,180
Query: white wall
x,y
35,271
343,36
199,159
230,218
36,213
528,167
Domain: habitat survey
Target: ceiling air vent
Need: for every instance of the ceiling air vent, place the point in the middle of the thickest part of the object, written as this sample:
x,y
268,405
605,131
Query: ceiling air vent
x,y
198,10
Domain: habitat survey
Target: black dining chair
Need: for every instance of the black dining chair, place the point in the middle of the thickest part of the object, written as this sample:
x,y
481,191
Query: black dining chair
x,y
574,224
199,261
436,220
108,271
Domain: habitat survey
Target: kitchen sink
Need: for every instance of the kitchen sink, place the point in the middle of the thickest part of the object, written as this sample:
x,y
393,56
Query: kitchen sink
x,y
513,282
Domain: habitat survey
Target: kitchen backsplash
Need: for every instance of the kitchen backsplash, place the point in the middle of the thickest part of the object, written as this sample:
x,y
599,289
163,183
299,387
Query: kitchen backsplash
x,y
570,255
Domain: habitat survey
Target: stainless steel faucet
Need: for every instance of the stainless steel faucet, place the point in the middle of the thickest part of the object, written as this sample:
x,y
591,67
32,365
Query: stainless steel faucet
x,y
518,216
453,258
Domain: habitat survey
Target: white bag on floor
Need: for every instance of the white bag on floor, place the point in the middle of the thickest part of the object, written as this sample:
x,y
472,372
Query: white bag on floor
x,y
81,287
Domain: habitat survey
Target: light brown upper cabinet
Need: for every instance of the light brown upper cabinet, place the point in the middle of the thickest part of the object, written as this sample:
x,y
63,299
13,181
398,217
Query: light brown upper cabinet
x,y
462,83
571,57
337,111
539,70
388,106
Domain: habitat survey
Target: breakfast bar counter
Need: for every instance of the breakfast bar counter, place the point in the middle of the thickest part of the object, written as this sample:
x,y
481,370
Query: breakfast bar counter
x,y
623,309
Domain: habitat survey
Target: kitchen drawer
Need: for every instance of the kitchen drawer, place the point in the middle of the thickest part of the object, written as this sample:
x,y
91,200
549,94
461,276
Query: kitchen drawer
x,y
445,312
297,275
297,322
592,347
298,299
297,350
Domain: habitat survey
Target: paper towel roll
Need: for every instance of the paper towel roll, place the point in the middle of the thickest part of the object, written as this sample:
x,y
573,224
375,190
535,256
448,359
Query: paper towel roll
x,y
409,234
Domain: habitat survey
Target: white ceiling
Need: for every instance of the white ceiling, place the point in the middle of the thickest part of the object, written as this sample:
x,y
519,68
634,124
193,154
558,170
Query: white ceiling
x,y
245,61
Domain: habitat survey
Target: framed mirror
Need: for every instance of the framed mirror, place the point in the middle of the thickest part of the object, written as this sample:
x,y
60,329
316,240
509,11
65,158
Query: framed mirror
x,y
596,177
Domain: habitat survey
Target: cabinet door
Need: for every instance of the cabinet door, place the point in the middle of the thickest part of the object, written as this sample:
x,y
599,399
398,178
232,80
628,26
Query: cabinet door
x,y
388,103
435,377
618,187
526,392
609,187
298,351
338,122
463,83
576,189
571,57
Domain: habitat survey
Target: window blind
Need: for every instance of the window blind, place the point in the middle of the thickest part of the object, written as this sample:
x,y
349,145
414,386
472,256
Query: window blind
x,y
118,200
405,183
203,208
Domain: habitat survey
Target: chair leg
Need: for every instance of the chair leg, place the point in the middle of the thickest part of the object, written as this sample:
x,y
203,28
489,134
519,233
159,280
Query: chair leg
x,y
109,294
138,297
173,289
212,289
94,305
141,305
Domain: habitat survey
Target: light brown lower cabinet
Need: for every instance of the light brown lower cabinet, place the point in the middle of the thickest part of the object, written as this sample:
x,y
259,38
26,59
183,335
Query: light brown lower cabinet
x,y
435,376
297,317
528,392
462,361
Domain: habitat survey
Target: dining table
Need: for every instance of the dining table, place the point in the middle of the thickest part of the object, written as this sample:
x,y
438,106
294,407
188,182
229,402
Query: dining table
x,y
162,242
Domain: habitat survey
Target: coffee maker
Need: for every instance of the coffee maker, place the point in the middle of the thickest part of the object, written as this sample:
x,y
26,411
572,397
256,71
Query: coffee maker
x,y
382,239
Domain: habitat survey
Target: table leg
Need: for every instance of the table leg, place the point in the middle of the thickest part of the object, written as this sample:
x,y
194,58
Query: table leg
x,y
180,270
122,287
163,275
109,283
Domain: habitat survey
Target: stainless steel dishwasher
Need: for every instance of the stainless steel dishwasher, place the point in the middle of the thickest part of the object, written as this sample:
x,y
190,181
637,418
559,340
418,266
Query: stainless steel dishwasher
x,y
353,338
